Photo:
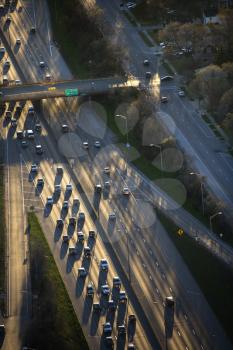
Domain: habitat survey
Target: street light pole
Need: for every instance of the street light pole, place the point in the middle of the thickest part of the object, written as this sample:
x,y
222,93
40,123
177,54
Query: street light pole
x,y
212,217
202,191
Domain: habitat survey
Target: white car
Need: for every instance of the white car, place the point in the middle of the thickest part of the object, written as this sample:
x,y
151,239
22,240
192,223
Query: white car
x,y
126,191
39,149
42,64
107,328
97,144
85,145
105,290
164,99
181,93
130,5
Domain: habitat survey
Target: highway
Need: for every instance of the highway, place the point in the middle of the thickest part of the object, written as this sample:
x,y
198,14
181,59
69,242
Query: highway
x,y
18,298
68,265
209,155
189,331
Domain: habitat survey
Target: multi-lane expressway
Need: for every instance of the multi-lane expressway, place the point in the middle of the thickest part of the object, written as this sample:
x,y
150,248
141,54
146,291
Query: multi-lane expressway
x,y
141,258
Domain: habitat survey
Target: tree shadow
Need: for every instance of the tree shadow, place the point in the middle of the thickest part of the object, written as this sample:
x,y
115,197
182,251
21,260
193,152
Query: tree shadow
x,y
87,309
63,250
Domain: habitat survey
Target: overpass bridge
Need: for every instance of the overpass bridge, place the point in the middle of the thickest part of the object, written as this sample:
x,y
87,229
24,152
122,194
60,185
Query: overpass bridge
x,y
37,91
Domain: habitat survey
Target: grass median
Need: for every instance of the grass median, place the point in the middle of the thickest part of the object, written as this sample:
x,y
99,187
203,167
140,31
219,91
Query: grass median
x,y
213,277
54,324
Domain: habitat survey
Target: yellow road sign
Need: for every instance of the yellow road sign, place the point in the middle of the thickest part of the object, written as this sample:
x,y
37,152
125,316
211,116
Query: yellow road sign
x,y
180,232
52,88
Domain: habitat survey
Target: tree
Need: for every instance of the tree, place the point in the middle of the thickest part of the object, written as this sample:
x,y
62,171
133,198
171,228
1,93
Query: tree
x,y
211,83
226,103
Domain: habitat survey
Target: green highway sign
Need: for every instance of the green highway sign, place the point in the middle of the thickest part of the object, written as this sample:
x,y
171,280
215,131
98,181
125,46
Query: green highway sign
x,y
71,92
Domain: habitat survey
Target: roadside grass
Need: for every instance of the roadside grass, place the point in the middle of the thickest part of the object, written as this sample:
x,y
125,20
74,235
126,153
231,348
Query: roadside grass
x,y
145,39
143,16
184,65
154,34
167,67
54,321
214,277
2,230
130,18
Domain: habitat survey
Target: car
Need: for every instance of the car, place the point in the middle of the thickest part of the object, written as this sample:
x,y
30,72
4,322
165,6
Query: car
x,y
90,290
107,170
130,5
8,115
42,64
106,184
169,302
5,80
82,272
24,144
38,127
81,237
87,252
65,205
69,188
8,20
116,282
81,215
72,221
18,82
30,134
85,145
49,201
34,168
162,44
18,41
126,191
40,182
65,238
2,329
146,62
48,77
122,297
64,128
59,170
52,88
121,329
20,134
167,78
60,223
97,144
131,319
7,64
18,109
92,234
76,202
98,187
107,328
57,188
112,216
96,307
131,346
164,99
109,342
181,93
32,30
105,290
2,49
39,149
31,110
112,305
72,250
103,265
13,122
148,75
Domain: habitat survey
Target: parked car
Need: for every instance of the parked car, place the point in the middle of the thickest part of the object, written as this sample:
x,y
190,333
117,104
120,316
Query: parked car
x,y
103,265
